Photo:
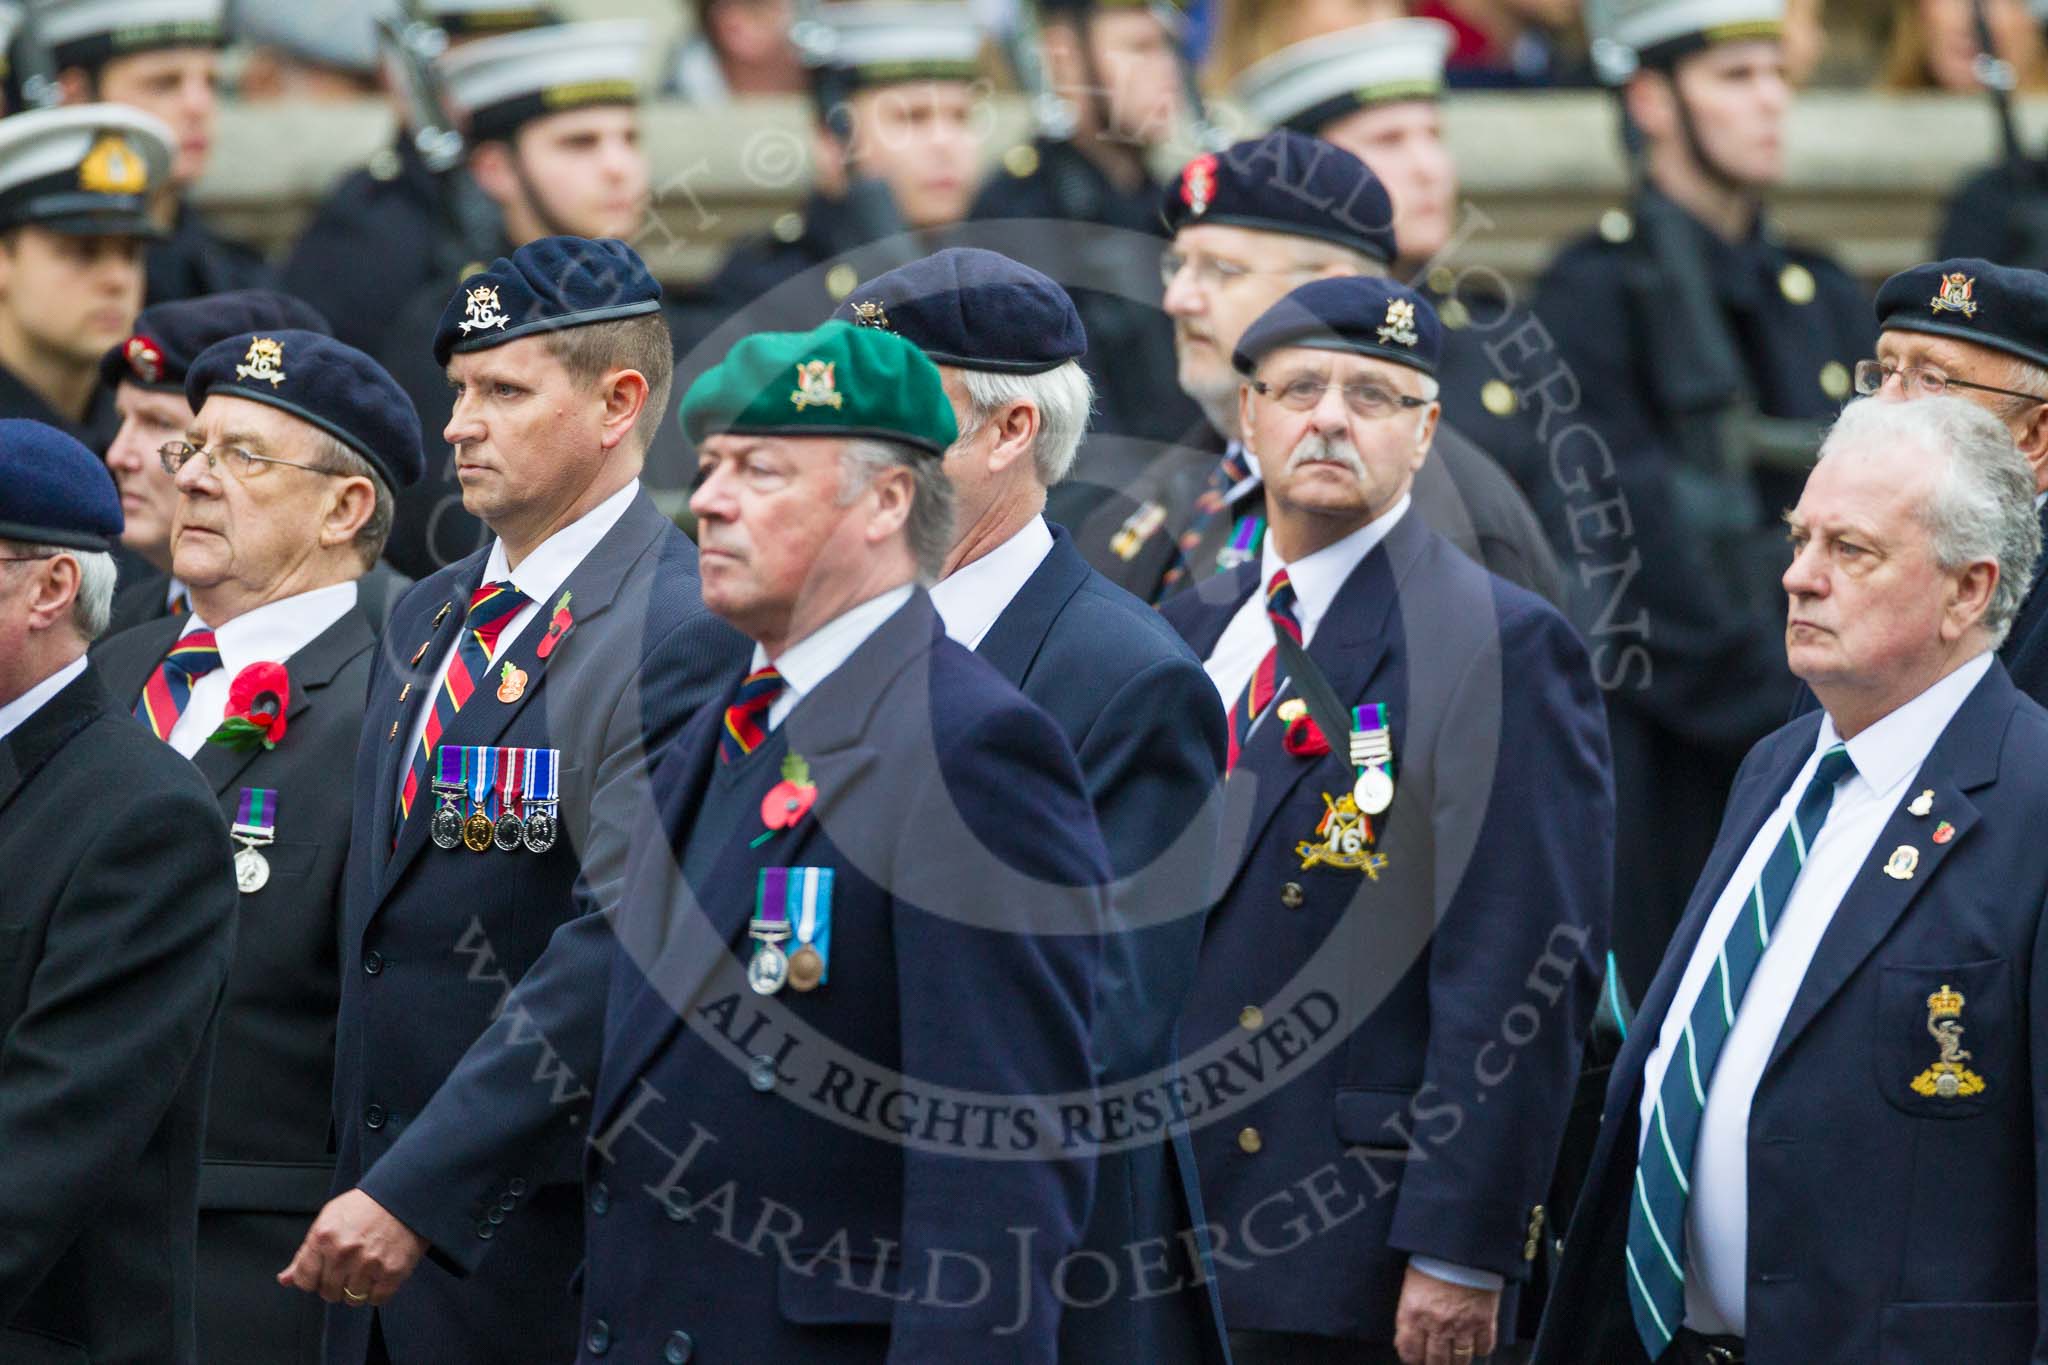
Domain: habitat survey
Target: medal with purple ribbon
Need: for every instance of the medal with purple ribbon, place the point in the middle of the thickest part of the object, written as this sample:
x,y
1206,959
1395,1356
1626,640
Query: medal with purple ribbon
x,y
255,825
446,828
768,968
1245,539
1372,756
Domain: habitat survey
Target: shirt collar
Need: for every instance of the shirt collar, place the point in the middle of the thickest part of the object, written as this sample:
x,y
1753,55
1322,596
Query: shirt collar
x,y
1249,481
276,630
818,655
16,712
555,558
971,597
1316,578
1890,750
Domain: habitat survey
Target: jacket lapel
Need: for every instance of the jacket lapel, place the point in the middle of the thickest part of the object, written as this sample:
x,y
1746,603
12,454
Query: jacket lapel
x,y
36,740
1013,642
310,670
1964,759
153,640
417,688
1214,601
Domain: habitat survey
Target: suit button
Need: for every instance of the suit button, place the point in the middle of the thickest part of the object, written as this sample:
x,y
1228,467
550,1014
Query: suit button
x,y
373,1117
1290,895
1251,1018
508,1203
495,1217
600,1199
672,1205
599,1338
373,963
516,1187
761,1074
679,1349
485,1231
1249,1141
1529,1250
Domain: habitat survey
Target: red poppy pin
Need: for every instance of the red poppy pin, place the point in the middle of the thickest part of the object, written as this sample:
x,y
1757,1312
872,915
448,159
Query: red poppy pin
x,y
558,626
789,800
257,701
1303,738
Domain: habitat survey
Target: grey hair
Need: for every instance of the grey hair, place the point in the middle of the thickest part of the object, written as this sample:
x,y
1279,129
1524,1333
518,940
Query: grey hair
x,y
93,607
1063,397
1983,501
332,457
930,528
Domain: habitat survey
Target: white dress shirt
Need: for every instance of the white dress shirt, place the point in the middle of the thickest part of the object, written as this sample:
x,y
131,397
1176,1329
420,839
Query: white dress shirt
x,y
16,712
818,655
271,633
1316,579
1887,756
971,597
540,576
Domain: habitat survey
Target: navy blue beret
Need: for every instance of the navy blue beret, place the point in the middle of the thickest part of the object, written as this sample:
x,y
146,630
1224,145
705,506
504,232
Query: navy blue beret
x,y
325,382
2000,306
975,309
1355,313
169,336
1285,182
544,286
53,491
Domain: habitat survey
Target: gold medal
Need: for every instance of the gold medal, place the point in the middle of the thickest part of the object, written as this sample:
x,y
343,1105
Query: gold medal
x,y
477,832
806,968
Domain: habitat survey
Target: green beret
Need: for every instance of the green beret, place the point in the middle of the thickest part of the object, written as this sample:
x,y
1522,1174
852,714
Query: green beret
x,y
835,380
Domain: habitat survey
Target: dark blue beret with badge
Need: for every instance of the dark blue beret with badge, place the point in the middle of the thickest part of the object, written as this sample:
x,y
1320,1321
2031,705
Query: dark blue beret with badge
x,y
1354,313
53,491
973,309
545,286
321,381
169,336
2000,306
1285,182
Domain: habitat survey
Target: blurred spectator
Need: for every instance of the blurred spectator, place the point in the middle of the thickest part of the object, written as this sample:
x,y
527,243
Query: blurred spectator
x,y
740,47
1934,45
1805,39
1253,30
318,50
1504,43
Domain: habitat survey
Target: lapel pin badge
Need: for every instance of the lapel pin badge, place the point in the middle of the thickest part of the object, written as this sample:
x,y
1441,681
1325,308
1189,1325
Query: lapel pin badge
x,y
1922,803
1902,862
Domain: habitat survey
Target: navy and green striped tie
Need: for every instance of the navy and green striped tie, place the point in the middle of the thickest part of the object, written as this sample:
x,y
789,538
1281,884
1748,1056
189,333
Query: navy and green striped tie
x,y
1656,1216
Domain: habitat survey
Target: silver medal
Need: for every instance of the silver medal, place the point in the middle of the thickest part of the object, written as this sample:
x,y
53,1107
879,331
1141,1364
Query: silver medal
x,y
508,833
768,970
540,829
1374,790
447,827
252,869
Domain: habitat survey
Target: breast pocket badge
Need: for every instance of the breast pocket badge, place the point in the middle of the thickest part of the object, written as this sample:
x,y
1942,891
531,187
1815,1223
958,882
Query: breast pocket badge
x,y
1343,839
1948,1078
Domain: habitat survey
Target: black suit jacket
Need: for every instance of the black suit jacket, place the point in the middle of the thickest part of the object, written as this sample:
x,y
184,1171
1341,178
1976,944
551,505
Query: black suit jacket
x,y
434,939
269,1148
116,930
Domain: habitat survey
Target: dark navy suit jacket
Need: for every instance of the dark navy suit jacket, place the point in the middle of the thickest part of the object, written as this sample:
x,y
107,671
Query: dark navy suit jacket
x,y
965,920
1382,1068
433,939
1144,721
1882,1225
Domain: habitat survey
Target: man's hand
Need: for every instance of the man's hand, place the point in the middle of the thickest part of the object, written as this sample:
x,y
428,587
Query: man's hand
x,y
1443,1324
355,1253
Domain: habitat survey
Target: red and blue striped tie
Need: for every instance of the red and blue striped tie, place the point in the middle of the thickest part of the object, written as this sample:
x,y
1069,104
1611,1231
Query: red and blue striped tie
x,y
169,689
491,609
1258,694
746,720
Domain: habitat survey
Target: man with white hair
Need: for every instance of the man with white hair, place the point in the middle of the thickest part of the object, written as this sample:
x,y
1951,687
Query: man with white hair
x,y
1875,897
116,931
1131,698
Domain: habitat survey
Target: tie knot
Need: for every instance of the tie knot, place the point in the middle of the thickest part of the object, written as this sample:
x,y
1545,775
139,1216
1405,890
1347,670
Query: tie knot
x,y
494,601
762,684
1835,764
195,655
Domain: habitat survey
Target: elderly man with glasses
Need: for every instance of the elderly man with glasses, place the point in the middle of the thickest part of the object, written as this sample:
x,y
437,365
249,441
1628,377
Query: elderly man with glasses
x,y
283,479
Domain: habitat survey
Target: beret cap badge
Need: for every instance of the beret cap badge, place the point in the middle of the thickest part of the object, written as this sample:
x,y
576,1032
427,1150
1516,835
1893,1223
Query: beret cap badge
x,y
1955,295
113,167
265,356
145,358
815,386
481,311
870,313
1399,327
1198,184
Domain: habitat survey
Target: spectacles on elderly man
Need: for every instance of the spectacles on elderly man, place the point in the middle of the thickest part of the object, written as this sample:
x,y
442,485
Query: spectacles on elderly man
x,y
1921,382
241,463
1363,397
1212,273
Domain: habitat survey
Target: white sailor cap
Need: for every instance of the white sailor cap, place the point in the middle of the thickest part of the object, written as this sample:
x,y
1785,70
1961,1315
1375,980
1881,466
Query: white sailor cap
x,y
84,169
898,40
341,34
1659,32
505,82
479,18
91,33
1308,84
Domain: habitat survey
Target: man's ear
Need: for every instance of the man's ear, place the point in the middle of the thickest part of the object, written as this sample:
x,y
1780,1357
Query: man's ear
x,y
895,489
490,165
351,503
1652,103
625,396
75,85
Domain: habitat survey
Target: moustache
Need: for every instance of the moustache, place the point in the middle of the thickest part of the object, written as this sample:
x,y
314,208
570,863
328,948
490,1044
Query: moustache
x,y
1315,447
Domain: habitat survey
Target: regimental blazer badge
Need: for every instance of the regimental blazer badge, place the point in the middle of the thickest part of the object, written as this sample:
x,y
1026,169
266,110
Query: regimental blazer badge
x,y
1948,1078
815,387
145,359
1955,295
1198,184
480,311
263,361
1344,838
1399,327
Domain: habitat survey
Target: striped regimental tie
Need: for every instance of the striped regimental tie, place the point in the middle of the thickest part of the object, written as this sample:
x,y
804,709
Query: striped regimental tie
x,y
169,689
491,609
1258,693
1656,1216
746,720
